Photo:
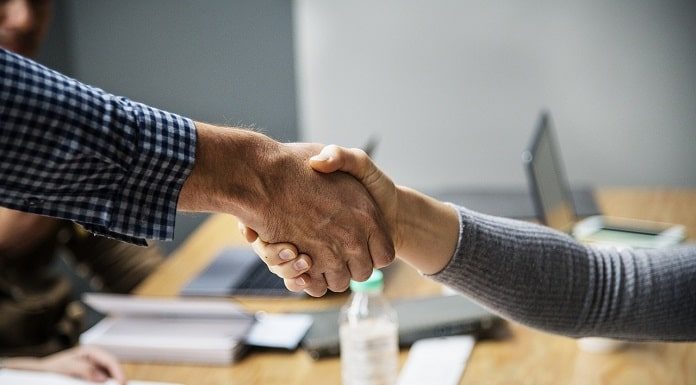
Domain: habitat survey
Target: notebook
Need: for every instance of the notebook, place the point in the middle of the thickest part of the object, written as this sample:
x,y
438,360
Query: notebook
x,y
140,329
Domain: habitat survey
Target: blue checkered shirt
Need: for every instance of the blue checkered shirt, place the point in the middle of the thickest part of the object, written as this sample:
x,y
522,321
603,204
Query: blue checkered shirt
x,y
72,151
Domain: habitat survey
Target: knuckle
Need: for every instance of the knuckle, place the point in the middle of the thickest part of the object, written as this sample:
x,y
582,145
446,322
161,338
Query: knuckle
x,y
340,283
362,274
383,260
360,154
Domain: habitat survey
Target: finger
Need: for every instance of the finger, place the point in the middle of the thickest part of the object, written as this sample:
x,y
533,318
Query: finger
x,y
339,280
274,254
334,158
316,287
298,284
97,375
107,363
381,247
293,268
79,368
360,270
247,232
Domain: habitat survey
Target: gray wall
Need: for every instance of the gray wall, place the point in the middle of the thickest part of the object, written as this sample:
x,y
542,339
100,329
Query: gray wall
x,y
454,87
218,61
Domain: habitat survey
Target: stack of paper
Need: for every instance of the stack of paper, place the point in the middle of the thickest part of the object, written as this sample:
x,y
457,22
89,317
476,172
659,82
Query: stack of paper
x,y
139,329
21,377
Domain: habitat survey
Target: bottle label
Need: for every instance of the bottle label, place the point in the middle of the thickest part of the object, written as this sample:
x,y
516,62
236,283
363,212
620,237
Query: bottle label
x,y
369,353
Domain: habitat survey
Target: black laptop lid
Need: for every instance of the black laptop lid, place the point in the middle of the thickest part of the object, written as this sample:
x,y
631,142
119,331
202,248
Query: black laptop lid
x,y
547,180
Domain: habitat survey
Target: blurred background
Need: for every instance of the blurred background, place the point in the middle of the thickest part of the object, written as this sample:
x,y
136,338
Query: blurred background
x,y
451,88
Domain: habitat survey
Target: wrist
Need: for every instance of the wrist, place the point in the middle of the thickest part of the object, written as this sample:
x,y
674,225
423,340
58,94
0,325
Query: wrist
x,y
227,174
428,231
20,363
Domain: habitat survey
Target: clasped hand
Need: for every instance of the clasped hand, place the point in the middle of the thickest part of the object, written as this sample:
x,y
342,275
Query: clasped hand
x,y
296,267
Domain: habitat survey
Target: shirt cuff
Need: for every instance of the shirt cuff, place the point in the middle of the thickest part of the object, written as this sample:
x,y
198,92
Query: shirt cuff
x,y
144,205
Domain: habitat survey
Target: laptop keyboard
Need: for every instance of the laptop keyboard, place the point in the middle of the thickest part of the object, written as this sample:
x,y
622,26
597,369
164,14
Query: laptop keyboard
x,y
260,281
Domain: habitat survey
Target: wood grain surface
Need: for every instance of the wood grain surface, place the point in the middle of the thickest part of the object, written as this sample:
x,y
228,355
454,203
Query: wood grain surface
x,y
524,357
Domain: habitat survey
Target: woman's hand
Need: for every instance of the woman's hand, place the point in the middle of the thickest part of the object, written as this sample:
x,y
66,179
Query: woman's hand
x,y
84,362
283,260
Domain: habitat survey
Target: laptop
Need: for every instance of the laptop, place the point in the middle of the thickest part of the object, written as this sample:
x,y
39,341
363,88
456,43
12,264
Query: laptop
x,y
554,206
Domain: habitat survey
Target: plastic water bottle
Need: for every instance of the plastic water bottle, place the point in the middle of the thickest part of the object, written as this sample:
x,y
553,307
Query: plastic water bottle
x,y
369,335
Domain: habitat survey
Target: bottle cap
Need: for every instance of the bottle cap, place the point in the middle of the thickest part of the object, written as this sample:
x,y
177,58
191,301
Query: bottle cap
x,y
375,282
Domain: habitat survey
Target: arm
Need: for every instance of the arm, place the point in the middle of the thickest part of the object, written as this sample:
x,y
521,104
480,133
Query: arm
x,y
120,168
530,273
75,152
545,279
87,363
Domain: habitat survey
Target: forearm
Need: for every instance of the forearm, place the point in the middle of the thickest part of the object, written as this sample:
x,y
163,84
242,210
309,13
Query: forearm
x,y
545,279
76,152
427,231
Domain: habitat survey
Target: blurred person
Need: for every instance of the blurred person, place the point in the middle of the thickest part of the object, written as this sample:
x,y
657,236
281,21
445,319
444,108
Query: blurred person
x,y
39,316
526,272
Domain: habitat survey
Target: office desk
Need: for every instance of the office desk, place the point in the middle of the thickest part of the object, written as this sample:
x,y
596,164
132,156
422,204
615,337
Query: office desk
x,y
527,357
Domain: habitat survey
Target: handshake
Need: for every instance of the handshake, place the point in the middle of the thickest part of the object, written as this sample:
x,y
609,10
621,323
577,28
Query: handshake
x,y
359,239
318,216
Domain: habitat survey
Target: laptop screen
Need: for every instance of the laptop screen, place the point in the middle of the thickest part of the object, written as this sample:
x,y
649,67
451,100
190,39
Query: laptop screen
x,y
547,179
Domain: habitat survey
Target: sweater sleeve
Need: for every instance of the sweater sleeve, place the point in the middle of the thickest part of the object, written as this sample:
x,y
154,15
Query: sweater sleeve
x,y
544,279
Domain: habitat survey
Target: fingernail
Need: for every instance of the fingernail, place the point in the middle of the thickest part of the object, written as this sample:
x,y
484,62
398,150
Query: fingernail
x,y
321,158
286,255
300,281
301,265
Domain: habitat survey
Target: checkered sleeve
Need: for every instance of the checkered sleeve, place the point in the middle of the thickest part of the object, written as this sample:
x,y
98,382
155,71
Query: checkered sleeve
x,y
75,152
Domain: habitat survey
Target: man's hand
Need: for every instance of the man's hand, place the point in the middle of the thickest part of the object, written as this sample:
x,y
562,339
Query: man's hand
x,y
272,189
283,259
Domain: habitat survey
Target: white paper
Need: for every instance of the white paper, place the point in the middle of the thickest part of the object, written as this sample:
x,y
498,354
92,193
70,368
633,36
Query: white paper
x,y
437,361
23,377
283,331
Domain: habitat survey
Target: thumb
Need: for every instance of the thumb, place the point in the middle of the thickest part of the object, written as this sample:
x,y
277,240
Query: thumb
x,y
328,160
247,232
334,158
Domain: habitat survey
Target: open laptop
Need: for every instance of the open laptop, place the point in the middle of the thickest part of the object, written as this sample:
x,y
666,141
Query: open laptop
x,y
554,203
546,176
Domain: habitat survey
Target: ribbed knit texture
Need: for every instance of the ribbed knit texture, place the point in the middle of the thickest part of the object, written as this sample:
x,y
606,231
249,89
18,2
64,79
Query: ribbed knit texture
x,y
544,279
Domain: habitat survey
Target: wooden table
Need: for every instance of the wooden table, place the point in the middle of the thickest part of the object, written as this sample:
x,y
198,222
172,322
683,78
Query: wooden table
x,y
527,357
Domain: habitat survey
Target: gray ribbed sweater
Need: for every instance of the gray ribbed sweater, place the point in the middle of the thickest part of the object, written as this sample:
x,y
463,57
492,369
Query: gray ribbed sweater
x,y
544,279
